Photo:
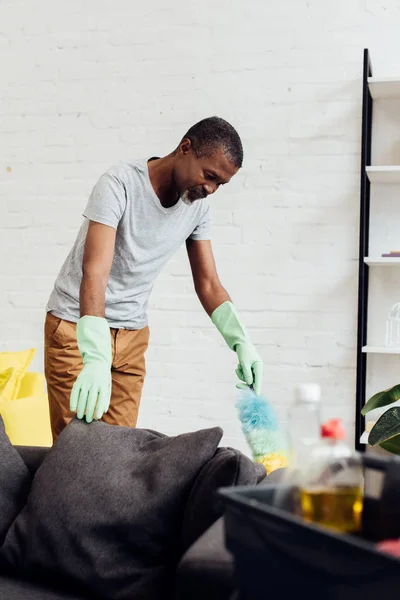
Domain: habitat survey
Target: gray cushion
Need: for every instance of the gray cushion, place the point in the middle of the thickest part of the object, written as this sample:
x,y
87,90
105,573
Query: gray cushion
x,y
15,482
106,506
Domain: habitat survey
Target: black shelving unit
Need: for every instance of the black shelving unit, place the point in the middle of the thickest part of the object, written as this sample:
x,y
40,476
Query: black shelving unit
x,y
363,268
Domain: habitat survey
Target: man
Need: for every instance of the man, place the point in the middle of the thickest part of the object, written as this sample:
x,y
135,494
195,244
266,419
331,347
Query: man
x,y
137,216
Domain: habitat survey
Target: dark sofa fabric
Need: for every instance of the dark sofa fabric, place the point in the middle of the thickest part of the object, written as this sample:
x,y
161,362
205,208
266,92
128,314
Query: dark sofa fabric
x,y
105,506
32,456
228,467
14,587
15,482
205,571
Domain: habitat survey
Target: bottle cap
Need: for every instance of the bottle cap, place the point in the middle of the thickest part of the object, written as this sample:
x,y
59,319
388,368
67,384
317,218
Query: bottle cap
x,y
333,429
308,392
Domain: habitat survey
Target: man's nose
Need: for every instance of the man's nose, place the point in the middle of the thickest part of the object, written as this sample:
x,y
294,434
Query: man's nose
x,y
210,188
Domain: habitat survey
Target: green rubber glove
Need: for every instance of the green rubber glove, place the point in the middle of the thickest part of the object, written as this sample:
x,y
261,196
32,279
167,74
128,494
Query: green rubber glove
x,y
91,392
228,323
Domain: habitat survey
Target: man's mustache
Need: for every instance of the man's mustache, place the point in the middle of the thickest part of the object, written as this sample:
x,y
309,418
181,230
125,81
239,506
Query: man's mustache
x,y
198,193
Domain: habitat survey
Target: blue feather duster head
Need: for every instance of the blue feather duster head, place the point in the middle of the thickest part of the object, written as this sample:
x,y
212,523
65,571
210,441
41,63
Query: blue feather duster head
x,y
261,428
256,413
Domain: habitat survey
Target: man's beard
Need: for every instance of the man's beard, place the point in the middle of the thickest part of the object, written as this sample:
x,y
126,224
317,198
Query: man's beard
x,y
193,194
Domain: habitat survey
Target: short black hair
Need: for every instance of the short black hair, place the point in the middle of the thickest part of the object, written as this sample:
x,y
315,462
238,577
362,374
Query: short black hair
x,y
211,133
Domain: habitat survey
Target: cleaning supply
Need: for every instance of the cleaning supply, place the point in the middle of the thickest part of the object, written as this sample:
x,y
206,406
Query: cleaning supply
x,y
91,392
324,479
331,488
262,430
226,319
303,434
304,421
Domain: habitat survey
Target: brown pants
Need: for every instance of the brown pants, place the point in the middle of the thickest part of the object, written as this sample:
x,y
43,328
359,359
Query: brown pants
x,y
63,362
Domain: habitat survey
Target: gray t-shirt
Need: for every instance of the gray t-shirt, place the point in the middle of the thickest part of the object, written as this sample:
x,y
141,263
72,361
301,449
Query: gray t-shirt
x,y
147,236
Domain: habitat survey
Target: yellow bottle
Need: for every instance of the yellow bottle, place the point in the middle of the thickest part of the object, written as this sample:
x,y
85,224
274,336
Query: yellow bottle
x,y
331,490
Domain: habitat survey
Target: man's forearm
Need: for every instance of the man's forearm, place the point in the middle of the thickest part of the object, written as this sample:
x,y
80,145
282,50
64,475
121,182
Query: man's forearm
x,y
212,295
92,295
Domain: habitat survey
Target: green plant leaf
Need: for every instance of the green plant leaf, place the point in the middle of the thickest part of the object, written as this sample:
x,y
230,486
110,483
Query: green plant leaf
x,y
386,427
392,445
382,399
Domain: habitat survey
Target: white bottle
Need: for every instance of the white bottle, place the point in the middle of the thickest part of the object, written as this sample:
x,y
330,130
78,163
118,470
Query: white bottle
x,y
303,435
304,422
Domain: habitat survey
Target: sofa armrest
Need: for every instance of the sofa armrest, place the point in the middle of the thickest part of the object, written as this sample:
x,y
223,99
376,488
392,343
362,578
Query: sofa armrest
x,y
206,569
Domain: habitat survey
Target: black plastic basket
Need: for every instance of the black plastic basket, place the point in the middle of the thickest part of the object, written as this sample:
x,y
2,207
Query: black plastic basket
x,y
278,555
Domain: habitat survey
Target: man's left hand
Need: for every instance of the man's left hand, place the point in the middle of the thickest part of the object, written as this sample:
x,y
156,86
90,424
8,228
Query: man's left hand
x,y
250,367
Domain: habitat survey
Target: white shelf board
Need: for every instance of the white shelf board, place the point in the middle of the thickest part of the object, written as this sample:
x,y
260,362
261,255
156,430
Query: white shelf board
x,y
380,350
384,87
389,174
382,261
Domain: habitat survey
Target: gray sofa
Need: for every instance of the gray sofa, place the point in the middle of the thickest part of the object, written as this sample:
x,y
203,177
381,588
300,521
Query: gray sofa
x,y
203,568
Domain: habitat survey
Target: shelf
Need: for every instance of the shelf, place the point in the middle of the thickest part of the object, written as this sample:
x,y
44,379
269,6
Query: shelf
x,y
380,350
384,87
382,261
372,175
383,174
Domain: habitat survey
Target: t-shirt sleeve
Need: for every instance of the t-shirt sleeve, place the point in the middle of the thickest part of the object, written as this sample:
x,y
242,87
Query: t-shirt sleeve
x,y
202,231
107,202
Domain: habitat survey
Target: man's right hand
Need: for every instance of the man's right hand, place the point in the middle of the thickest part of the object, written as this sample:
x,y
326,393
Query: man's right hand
x,y
91,393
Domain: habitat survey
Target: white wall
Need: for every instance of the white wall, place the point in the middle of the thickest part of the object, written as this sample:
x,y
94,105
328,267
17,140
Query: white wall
x,y
85,84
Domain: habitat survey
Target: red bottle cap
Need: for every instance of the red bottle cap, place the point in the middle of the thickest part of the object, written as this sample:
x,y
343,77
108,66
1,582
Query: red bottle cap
x,y
333,429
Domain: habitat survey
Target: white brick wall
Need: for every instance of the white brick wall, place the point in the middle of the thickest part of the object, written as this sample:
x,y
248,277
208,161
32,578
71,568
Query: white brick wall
x,y
85,84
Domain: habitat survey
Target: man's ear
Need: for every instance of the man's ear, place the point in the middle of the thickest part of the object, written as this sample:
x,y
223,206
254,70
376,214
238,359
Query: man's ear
x,y
185,146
